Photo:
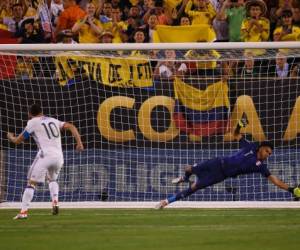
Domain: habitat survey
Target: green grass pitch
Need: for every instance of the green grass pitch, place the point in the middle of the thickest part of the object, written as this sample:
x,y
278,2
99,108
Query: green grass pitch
x,y
188,229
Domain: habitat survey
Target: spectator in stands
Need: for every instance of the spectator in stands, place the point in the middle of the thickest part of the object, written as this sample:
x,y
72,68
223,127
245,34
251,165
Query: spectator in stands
x,y
234,12
30,7
220,26
150,27
185,21
226,67
13,23
105,16
116,15
139,37
272,6
296,14
206,61
88,27
132,25
119,28
248,67
106,11
147,5
31,32
116,3
71,14
133,21
135,12
6,9
287,31
281,68
203,12
124,5
106,37
176,12
99,6
169,68
255,28
158,10
284,5
65,36
56,9
162,16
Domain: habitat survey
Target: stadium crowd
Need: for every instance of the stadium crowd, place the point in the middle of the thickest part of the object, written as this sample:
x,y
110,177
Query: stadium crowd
x,y
140,21
106,21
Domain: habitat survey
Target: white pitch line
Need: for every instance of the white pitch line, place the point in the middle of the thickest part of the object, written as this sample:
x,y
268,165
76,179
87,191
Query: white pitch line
x,y
195,215
154,214
265,227
150,205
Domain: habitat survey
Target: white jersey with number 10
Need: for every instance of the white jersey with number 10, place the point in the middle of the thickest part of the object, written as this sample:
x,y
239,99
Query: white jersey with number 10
x,y
46,133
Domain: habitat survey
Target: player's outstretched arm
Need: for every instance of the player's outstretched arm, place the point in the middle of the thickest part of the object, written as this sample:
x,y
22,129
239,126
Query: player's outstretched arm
x,y
75,133
15,139
279,183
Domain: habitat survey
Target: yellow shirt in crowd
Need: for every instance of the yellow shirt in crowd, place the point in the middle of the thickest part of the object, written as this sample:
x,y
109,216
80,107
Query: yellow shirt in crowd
x,y
134,2
293,36
253,34
206,58
121,26
169,5
204,16
5,13
30,12
87,35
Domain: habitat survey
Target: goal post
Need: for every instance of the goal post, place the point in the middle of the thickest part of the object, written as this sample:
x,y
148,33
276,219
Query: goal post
x,y
145,111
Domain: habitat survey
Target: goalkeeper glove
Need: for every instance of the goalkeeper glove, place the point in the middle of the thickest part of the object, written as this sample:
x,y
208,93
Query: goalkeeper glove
x,y
295,191
243,122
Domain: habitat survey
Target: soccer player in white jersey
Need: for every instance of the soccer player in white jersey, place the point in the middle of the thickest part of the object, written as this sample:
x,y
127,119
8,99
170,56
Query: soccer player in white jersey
x,y
49,159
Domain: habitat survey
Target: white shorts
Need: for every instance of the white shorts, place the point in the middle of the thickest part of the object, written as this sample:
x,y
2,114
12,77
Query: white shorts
x,y
45,168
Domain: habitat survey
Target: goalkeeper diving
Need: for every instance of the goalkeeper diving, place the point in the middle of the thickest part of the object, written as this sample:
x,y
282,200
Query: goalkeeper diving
x,y
249,159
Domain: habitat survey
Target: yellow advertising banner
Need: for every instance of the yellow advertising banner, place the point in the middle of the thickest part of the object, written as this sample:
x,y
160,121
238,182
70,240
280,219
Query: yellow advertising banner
x,y
114,72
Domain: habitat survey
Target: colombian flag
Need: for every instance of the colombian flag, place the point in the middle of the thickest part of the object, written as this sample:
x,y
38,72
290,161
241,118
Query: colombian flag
x,y
201,112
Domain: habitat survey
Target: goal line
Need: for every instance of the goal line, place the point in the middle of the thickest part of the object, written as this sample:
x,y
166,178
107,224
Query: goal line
x,y
149,205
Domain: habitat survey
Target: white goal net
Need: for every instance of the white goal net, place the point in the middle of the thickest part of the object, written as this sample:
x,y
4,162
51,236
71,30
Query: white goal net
x,y
145,114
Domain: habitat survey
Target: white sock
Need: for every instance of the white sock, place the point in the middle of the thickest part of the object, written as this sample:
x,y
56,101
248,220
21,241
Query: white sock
x,y
27,198
54,188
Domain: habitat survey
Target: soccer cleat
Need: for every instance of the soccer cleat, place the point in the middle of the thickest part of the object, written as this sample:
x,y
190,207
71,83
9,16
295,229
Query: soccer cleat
x,y
178,180
21,216
55,208
162,204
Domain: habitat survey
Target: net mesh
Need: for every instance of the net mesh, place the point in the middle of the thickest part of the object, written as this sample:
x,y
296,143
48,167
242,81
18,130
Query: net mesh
x,y
144,115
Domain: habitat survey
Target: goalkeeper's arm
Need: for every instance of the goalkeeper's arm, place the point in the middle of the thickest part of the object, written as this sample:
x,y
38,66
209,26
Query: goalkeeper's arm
x,y
279,183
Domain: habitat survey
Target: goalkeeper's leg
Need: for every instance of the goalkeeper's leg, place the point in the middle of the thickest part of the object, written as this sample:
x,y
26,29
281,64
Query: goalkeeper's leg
x,y
178,196
185,178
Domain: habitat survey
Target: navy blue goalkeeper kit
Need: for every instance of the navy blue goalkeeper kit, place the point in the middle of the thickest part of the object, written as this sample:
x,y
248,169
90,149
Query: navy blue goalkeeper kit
x,y
218,169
